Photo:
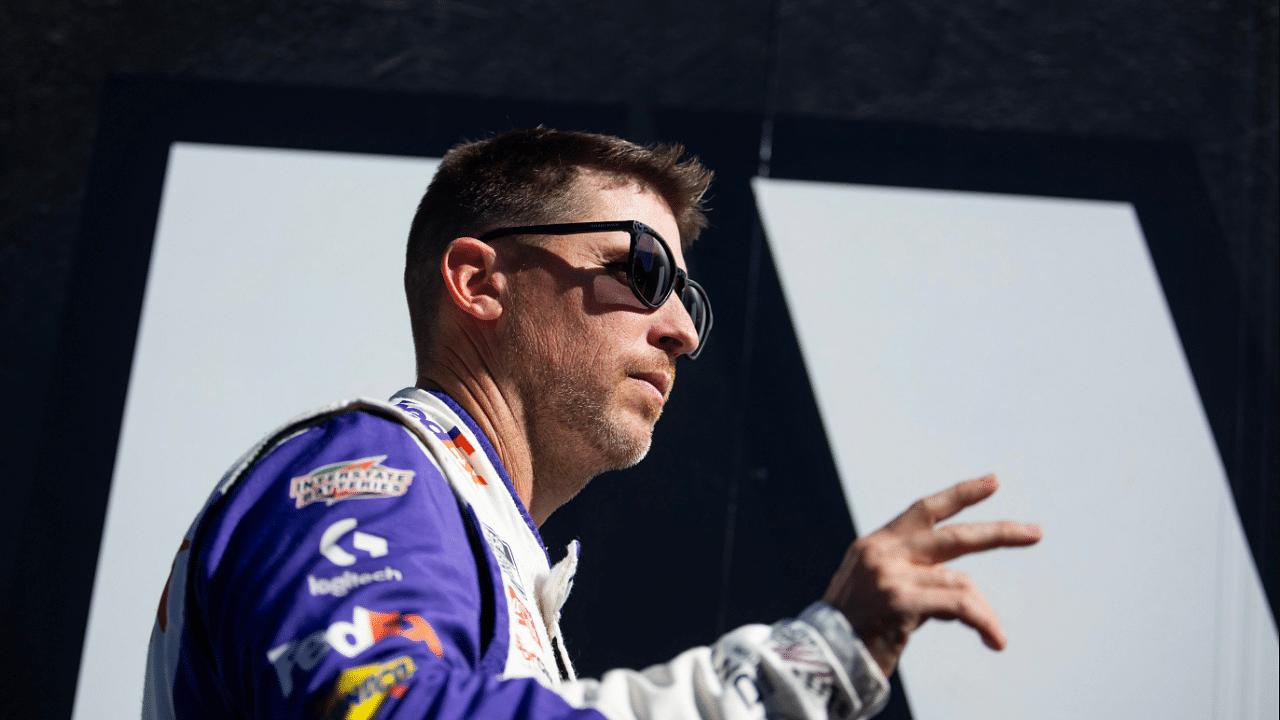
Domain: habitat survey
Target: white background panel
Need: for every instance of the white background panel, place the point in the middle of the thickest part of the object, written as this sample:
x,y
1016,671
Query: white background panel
x,y
275,286
957,334
951,334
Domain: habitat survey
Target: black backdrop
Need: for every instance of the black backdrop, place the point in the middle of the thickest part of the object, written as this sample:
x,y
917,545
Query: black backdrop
x,y
1202,73
734,517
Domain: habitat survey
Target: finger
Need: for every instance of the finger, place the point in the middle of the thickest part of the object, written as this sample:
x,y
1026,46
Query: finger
x,y
936,508
952,541
968,605
939,576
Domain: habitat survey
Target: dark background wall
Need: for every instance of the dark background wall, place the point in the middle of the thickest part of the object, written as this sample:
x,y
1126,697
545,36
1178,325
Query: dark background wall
x,y
1202,73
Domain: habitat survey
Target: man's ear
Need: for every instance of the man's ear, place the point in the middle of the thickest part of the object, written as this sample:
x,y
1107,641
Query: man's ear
x,y
470,277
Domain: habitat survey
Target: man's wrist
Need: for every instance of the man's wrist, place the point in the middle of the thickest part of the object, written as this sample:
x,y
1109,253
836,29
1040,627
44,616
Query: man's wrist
x,y
869,682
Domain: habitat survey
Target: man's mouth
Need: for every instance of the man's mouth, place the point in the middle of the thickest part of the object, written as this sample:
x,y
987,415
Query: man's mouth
x,y
659,380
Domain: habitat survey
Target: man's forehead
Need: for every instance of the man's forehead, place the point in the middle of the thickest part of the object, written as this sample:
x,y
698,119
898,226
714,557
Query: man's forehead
x,y
603,197
591,179
594,188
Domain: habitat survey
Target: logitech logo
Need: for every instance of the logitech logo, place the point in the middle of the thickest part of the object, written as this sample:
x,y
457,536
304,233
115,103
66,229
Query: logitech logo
x,y
340,585
372,544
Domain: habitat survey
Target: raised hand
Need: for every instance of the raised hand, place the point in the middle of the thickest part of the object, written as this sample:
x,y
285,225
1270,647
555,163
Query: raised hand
x,y
894,579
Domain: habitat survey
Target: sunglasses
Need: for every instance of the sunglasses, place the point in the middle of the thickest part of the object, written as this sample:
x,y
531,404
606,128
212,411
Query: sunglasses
x,y
651,268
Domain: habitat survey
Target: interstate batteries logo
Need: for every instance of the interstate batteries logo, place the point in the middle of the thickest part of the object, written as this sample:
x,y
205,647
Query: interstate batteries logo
x,y
363,479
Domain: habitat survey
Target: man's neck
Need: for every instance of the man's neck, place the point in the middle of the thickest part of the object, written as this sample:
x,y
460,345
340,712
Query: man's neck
x,y
485,403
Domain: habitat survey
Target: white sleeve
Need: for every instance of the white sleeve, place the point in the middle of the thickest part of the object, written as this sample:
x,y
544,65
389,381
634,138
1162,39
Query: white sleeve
x,y
809,667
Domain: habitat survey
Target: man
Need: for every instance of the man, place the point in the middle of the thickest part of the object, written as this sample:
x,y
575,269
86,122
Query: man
x,y
383,558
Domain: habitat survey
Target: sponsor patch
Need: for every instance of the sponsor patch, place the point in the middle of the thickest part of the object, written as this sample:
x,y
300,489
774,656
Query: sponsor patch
x,y
454,439
506,558
340,585
303,654
461,448
363,479
349,639
360,691
526,653
411,407
524,625
460,440
804,658
373,544
523,616
737,668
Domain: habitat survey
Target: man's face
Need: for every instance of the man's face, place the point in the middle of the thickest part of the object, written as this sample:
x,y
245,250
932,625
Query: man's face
x,y
592,365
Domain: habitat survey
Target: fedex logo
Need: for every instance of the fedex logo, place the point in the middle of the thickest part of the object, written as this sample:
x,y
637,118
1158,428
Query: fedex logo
x,y
367,628
460,447
454,439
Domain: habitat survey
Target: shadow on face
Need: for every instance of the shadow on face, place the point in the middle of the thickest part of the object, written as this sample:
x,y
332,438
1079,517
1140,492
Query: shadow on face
x,y
602,290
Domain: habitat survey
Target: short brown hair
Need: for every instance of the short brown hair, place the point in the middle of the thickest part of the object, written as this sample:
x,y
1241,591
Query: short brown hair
x,y
527,177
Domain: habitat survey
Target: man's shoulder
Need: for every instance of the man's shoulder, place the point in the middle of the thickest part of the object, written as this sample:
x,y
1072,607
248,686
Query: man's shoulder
x,y
354,458
351,450
360,452
352,468
342,510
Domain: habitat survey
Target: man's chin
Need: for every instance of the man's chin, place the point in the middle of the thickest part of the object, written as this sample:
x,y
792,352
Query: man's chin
x,y
627,446
636,456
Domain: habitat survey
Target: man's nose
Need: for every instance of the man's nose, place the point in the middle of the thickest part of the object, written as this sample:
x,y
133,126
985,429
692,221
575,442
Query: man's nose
x,y
673,329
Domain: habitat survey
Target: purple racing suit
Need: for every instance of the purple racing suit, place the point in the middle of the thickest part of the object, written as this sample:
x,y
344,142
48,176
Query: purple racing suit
x,y
373,560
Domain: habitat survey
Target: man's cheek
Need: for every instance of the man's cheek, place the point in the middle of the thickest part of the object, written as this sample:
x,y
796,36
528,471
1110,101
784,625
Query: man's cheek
x,y
609,292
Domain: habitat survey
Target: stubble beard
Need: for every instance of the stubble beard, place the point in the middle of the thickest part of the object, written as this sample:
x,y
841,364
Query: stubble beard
x,y
565,402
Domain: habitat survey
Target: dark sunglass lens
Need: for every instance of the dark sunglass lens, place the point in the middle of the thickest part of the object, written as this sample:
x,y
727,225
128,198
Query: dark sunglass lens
x,y
651,268
696,304
699,308
693,305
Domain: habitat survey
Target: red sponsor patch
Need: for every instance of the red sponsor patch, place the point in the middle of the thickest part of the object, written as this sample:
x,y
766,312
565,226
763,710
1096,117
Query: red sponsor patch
x,y
523,616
